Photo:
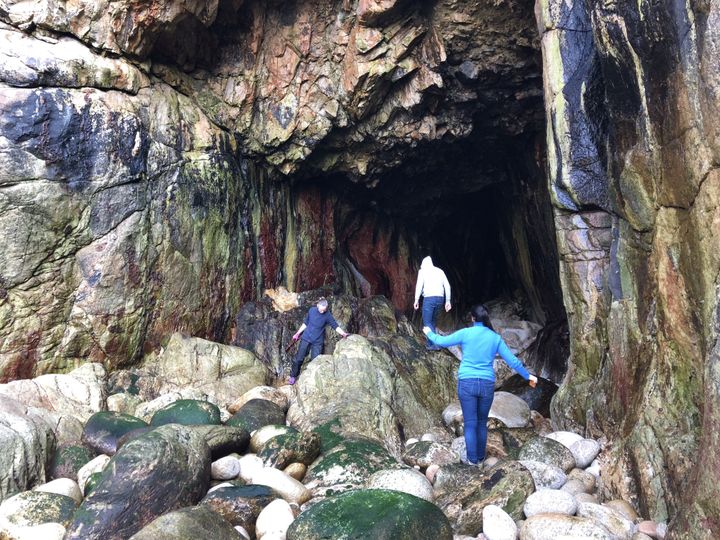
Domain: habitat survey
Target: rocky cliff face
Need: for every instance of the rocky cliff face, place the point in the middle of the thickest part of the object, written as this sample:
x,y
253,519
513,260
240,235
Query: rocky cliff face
x,y
631,93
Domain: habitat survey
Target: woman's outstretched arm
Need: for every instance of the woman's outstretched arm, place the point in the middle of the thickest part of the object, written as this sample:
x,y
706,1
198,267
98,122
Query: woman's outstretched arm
x,y
456,338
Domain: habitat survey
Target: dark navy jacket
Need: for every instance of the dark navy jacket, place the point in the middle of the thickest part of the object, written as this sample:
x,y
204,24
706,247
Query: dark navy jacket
x,y
316,323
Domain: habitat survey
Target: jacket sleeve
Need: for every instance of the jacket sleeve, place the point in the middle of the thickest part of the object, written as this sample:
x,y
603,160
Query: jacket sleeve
x,y
446,286
456,338
512,360
419,285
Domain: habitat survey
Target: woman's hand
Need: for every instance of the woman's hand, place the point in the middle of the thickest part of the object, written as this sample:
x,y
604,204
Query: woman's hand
x,y
533,381
448,306
426,330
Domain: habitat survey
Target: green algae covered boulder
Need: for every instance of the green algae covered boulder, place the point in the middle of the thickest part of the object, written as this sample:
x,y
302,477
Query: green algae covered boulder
x,y
188,412
186,523
546,450
240,505
289,448
103,430
379,514
257,413
31,508
68,460
92,482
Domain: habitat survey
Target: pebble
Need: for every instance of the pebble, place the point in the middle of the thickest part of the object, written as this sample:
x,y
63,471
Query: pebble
x,y
574,487
546,501
431,437
63,486
274,520
288,488
93,466
624,507
225,468
545,475
296,471
588,479
404,480
431,471
566,438
497,524
410,442
617,524
585,452
249,465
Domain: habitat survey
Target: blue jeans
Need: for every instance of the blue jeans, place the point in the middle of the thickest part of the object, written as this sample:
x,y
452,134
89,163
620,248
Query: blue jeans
x,y
476,397
430,310
315,349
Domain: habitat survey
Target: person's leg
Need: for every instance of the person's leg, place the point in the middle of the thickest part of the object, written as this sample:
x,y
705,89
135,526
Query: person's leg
x,y
315,349
299,357
431,305
467,390
485,399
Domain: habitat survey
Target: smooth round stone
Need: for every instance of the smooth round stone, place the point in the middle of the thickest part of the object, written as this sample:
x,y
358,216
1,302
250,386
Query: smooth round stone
x,y
274,519
103,430
585,452
641,536
63,486
546,526
586,497
240,505
511,410
187,412
371,513
411,441
497,524
95,465
242,532
594,469
649,528
431,471
548,451
123,402
588,480
225,468
426,453
545,476
249,465
566,438
546,501
268,393
289,448
452,414
265,433
612,520
405,480
289,489
68,460
624,507
296,471
574,487
429,437
31,508
193,522
257,413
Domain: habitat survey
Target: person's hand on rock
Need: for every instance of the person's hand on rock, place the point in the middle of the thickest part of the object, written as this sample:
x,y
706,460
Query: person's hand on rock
x,y
426,330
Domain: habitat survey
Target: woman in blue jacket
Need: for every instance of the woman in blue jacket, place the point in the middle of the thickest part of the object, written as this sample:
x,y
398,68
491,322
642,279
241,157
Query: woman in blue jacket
x,y
476,376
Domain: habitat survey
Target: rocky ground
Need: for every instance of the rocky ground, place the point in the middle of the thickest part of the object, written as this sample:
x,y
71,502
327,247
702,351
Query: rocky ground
x,y
196,444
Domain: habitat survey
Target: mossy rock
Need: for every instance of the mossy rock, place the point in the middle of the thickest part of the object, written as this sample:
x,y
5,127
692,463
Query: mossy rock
x,y
91,482
348,465
283,450
187,523
515,438
240,505
379,514
224,440
188,412
103,430
330,435
31,508
548,451
257,413
425,453
68,460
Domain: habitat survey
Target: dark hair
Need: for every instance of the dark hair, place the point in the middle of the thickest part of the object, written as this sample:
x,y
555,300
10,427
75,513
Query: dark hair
x,y
479,313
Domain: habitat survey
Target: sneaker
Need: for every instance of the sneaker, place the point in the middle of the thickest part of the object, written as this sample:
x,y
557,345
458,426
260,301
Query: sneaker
x,y
292,380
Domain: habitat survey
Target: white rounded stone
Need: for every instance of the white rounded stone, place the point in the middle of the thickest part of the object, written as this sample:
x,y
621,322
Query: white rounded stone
x,y
497,524
405,480
511,410
616,523
93,466
225,468
288,488
584,452
242,531
431,437
274,520
546,476
566,438
546,501
410,442
63,486
249,465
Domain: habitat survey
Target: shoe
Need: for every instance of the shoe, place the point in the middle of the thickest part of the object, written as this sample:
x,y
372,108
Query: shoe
x,y
292,380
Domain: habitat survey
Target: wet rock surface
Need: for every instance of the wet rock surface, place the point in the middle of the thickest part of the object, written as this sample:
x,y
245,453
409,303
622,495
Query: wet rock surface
x,y
103,430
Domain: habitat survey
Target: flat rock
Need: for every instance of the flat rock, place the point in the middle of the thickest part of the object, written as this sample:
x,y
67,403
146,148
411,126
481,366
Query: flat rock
x,y
550,501
548,526
548,451
509,409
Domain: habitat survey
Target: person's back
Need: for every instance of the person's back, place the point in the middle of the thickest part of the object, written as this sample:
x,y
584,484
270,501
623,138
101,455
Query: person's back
x,y
479,346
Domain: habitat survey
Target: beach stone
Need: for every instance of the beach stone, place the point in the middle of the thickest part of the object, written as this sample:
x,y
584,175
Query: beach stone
x,y
497,524
288,488
264,434
371,513
545,475
225,468
257,413
103,430
164,469
68,460
63,486
268,393
624,508
551,526
585,452
123,402
550,501
249,465
93,466
405,480
195,522
274,520
425,453
431,472
289,448
574,487
223,440
240,505
187,412
548,451
566,438
509,409
648,528
586,497
588,480
616,523
31,508
296,471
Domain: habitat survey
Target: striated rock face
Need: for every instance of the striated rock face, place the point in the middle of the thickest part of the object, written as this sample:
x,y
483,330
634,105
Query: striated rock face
x,y
631,95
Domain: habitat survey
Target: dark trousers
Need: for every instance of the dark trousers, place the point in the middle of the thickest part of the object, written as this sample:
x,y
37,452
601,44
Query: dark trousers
x,y
315,349
430,309
476,397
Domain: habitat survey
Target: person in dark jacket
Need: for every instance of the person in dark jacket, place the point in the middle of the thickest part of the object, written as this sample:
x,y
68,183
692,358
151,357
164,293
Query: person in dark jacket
x,y
313,334
476,376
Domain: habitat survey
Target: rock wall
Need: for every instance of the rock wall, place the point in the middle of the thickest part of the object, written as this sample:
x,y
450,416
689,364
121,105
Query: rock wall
x,y
631,94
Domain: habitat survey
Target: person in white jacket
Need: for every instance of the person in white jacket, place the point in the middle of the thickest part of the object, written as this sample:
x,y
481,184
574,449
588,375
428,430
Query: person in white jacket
x,y
432,284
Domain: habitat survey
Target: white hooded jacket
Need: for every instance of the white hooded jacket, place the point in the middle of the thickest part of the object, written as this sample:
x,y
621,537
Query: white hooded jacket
x,y
431,281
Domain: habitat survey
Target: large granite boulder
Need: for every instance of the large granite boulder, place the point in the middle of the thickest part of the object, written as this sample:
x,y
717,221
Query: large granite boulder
x,y
103,430
24,514
240,505
289,448
196,522
187,412
223,440
257,413
163,470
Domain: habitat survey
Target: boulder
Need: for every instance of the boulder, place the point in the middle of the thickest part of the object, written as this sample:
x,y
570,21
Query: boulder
x,y
371,513
26,443
615,522
463,491
497,524
186,523
22,513
240,505
550,501
265,433
257,413
164,469
566,438
513,439
408,481
63,486
103,429
548,451
288,488
425,453
147,409
544,475
509,409
547,526
123,402
95,465
91,483
274,520
278,397
223,440
283,450
188,412
538,398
